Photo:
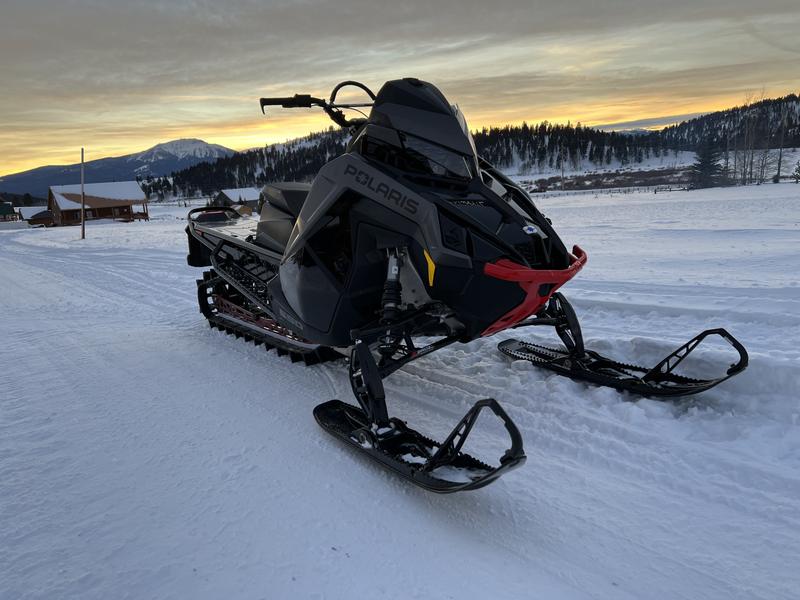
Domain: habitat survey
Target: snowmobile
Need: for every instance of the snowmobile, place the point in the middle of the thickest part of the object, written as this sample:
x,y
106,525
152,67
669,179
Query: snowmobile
x,y
406,243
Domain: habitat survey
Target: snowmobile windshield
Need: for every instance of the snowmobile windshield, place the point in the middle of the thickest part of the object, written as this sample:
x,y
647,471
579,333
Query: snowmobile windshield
x,y
434,138
463,123
432,159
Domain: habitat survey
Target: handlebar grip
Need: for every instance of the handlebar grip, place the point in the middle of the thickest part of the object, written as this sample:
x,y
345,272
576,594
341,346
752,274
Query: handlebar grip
x,y
296,101
276,101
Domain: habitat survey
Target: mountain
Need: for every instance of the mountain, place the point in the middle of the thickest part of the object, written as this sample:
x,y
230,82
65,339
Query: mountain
x,y
296,160
161,159
182,150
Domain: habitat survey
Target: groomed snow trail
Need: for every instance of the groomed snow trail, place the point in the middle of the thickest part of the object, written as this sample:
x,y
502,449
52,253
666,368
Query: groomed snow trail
x,y
144,455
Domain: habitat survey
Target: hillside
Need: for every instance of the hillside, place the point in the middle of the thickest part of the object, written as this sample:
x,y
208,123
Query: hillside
x,y
770,123
535,151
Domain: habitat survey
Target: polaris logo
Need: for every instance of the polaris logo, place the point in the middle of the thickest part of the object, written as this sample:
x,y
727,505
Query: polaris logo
x,y
390,194
530,230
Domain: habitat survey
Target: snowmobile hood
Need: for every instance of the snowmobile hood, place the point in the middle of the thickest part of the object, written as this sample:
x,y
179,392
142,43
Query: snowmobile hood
x,y
418,108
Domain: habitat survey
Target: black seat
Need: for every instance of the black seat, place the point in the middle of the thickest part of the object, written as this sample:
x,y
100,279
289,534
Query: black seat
x,y
283,203
287,196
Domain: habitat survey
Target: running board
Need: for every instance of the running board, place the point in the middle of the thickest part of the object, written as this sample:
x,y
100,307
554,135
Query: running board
x,y
658,382
440,468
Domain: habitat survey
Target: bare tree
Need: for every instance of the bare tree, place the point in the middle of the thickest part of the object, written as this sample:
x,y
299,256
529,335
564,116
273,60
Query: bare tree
x,y
742,158
784,118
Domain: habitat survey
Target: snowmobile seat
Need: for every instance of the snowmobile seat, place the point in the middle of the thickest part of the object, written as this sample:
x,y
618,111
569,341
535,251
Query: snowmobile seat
x,y
287,196
283,204
274,228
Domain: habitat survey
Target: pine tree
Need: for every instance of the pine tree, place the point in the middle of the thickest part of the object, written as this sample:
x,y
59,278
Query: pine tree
x,y
706,171
796,174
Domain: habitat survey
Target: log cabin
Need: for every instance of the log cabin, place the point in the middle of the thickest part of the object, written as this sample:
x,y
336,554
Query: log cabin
x,y
119,200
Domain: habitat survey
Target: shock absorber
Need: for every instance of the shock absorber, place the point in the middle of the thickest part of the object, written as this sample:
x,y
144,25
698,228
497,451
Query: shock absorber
x,y
390,303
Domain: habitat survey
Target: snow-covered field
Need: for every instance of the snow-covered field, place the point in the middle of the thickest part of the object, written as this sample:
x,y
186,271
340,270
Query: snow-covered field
x,y
668,160
143,455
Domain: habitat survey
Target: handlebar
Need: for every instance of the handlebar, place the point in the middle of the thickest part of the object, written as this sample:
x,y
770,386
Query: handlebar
x,y
330,106
296,101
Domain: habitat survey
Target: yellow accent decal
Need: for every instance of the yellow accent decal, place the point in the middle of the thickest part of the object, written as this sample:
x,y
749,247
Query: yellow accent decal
x,y
431,267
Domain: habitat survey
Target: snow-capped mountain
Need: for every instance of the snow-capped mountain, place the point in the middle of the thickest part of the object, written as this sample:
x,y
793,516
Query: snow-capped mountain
x,y
181,149
161,159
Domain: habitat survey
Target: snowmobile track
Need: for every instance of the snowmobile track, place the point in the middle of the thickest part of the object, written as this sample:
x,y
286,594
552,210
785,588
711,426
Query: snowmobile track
x,y
315,357
231,326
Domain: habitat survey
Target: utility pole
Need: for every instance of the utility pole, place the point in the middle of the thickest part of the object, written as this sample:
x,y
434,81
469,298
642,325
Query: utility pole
x,y
83,203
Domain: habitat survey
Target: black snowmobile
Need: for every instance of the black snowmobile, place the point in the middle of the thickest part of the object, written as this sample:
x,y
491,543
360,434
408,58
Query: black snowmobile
x,y
406,243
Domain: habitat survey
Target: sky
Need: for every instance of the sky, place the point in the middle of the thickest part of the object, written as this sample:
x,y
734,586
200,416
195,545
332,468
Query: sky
x,y
120,76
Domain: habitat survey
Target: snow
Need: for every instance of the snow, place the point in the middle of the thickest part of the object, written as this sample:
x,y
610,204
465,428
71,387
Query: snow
x,y
668,160
679,159
248,194
116,190
29,211
8,225
145,455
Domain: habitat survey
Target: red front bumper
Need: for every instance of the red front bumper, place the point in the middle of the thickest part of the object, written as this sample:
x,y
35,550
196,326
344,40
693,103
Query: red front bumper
x,y
531,280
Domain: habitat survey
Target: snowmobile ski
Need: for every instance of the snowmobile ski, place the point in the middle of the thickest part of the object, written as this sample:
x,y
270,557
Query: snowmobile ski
x,y
436,467
578,363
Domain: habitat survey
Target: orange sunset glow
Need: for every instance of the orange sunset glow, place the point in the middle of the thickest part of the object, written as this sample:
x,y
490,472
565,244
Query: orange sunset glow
x,y
134,78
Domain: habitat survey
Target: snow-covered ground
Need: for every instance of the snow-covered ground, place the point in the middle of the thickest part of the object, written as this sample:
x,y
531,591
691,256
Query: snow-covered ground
x,y
669,160
144,455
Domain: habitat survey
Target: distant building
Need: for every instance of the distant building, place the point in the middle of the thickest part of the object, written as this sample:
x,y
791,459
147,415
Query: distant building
x,y
35,215
120,200
7,212
244,196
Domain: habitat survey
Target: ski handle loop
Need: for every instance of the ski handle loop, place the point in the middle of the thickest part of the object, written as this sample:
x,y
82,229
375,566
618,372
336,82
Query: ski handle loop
x,y
203,209
450,448
668,364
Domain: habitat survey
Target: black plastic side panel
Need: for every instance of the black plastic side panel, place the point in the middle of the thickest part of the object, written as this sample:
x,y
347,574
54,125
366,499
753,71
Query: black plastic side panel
x,y
274,228
287,196
330,304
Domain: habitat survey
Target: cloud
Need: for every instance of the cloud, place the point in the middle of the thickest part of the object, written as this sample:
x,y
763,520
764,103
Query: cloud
x,y
113,74
649,123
